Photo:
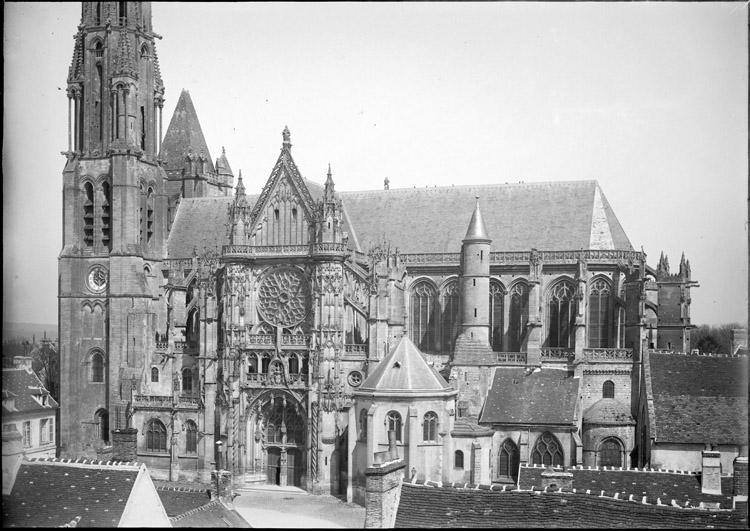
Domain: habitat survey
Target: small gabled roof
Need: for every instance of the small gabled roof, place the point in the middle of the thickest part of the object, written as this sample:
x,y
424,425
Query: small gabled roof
x,y
23,385
697,399
543,397
405,371
184,135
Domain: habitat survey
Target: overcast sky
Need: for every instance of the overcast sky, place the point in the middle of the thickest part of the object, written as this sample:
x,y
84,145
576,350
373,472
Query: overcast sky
x,y
650,99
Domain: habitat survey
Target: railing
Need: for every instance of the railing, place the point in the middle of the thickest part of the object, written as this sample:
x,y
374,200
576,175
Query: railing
x,y
355,349
153,400
557,353
608,354
261,339
514,257
295,339
162,345
254,379
286,250
511,357
328,247
180,345
189,401
432,258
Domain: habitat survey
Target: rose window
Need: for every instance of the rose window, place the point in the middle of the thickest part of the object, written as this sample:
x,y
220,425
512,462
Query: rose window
x,y
284,297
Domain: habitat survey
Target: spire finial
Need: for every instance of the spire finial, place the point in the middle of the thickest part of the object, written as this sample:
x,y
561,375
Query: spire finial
x,y
287,136
223,151
477,230
240,185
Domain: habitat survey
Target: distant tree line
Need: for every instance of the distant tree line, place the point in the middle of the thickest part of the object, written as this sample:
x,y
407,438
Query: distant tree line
x,y
713,339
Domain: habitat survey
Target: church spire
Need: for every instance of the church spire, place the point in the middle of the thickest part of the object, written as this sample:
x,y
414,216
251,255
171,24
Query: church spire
x,y
240,187
477,230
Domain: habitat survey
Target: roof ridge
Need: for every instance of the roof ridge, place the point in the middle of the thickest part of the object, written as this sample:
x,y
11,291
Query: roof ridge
x,y
615,469
197,509
83,463
698,354
487,185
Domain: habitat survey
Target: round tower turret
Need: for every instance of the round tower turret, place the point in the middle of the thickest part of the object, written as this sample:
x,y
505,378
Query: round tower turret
x,y
475,280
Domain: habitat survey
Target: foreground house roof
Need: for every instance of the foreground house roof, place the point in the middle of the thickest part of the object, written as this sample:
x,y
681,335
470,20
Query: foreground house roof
x,y
50,493
23,392
434,505
697,399
187,507
543,397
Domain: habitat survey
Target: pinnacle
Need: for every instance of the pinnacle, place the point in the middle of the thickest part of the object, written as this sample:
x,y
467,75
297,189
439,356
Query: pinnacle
x,y
477,229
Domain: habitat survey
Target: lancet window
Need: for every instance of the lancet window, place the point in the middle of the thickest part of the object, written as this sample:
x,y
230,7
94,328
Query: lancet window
x,y
598,329
497,296
191,437
423,311
393,423
156,436
561,314
450,316
508,460
88,216
518,316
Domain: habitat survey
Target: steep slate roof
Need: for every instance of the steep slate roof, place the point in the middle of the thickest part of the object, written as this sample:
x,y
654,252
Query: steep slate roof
x,y
24,385
50,494
609,411
697,399
404,370
683,488
423,506
544,397
564,215
200,221
184,132
187,507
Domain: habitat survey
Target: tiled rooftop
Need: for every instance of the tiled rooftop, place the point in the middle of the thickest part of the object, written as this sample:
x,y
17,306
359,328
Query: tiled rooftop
x,y
698,399
49,493
546,396
25,386
427,504
184,132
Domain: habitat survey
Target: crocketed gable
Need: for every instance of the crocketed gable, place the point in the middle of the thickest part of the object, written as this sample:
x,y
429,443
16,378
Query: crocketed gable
x,y
697,399
543,397
546,216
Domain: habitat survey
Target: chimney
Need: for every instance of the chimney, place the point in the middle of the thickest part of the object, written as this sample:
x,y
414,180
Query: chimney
x,y
124,444
221,487
23,362
740,480
557,479
711,472
383,487
12,457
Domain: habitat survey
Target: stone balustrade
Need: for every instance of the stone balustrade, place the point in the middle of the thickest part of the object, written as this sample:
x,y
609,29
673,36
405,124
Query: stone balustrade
x,y
558,354
254,251
350,348
608,354
518,358
153,401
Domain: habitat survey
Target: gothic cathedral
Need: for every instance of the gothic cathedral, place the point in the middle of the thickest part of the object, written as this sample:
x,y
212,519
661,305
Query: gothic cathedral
x,y
285,333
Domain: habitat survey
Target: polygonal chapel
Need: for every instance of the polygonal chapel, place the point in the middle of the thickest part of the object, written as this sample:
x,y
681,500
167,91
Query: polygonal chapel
x,y
281,332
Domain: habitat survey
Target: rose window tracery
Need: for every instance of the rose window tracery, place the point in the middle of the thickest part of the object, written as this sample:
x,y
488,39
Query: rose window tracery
x,y
284,297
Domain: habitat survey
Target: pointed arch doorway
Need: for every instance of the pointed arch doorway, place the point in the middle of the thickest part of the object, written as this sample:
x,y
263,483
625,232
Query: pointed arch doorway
x,y
285,446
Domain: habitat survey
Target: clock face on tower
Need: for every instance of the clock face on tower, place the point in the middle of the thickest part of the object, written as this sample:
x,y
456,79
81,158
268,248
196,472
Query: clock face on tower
x,y
97,279
284,297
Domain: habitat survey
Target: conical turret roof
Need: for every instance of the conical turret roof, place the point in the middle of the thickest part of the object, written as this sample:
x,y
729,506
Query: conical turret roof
x,y
477,230
184,135
405,371
222,164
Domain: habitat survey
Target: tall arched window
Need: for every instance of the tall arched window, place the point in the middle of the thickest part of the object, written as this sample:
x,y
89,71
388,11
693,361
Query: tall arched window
x,y
191,437
561,315
458,459
187,380
608,389
393,422
97,368
423,332
518,316
88,216
149,213
156,436
154,374
497,296
449,317
610,453
429,427
363,425
547,451
106,230
508,460
598,330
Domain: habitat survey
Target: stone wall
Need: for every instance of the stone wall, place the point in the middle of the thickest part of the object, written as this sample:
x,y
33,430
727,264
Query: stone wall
x,y
383,494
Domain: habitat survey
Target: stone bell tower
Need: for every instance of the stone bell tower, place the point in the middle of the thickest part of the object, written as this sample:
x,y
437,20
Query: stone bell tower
x,y
114,219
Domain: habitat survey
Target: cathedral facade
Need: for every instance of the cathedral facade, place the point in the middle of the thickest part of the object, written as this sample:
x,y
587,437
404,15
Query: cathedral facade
x,y
283,333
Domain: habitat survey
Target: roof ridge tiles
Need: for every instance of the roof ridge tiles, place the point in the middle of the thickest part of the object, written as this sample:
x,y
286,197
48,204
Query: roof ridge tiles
x,y
486,185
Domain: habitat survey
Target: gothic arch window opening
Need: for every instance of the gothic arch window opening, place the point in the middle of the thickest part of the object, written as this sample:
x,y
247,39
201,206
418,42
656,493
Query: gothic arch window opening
x,y
187,380
97,367
599,300
156,436
458,459
88,216
429,427
497,310
356,326
561,313
508,460
101,419
518,316
285,426
610,453
154,375
608,389
620,327
449,316
106,229
191,437
149,211
547,451
423,310
393,423
293,364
